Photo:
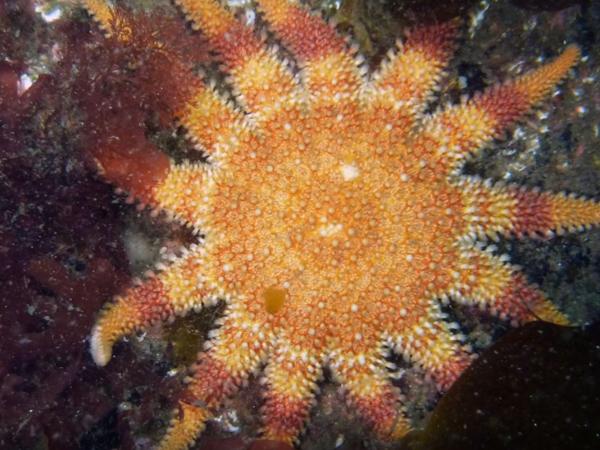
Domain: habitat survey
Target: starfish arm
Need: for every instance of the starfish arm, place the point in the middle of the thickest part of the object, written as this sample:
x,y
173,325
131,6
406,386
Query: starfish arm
x,y
260,79
485,280
198,107
149,176
102,13
235,350
331,72
291,377
174,291
209,118
456,133
365,379
492,210
404,83
430,343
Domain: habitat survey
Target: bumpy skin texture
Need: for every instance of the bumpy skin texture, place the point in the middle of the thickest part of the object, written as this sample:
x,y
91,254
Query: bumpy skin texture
x,y
335,219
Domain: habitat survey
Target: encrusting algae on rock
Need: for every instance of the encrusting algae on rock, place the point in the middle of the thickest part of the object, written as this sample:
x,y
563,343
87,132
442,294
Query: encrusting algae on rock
x,y
332,218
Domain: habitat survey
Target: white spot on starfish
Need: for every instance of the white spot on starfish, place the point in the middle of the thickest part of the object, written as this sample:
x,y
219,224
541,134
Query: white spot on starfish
x,y
349,172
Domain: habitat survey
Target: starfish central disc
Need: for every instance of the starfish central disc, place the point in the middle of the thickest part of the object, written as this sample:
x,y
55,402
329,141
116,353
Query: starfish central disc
x,y
342,234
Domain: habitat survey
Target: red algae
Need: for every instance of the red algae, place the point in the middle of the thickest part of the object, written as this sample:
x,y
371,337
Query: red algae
x,y
61,249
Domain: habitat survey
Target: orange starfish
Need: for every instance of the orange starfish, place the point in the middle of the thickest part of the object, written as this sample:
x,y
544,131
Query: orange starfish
x,y
334,217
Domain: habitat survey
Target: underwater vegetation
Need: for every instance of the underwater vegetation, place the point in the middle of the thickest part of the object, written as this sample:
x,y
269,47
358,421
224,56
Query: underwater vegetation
x,y
508,398
104,102
62,248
